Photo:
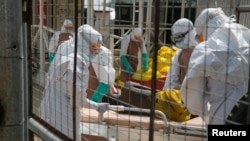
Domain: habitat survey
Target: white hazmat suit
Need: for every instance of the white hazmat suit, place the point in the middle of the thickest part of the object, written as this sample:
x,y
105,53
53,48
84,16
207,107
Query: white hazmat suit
x,y
103,66
218,67
66,32
133,51
182,31
105,73
56,106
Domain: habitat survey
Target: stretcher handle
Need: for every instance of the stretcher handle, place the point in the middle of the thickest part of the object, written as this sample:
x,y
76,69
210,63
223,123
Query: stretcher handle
x,y
117,108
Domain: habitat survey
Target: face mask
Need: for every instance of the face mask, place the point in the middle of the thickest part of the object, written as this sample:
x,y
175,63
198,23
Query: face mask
x,y
91,56
181,45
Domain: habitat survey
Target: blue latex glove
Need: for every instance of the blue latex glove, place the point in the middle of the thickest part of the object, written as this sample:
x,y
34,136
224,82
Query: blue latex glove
x,y
145,61
51,56
101,90
125,62
102,107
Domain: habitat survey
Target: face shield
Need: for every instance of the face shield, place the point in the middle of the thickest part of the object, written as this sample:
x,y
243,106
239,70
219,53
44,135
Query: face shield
x,y
67,25
178,37
95,48
92,39
183,34
137,37
136,34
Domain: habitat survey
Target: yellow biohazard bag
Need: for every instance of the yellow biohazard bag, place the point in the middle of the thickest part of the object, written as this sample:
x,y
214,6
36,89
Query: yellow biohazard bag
x,y
145,75
170,103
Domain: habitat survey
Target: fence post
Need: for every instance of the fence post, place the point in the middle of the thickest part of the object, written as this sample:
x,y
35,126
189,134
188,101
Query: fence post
x,y
13,124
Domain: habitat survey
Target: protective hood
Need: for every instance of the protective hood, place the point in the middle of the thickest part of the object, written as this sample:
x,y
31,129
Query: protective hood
x,y
67,26
86,36
209,20
218,69
136,32
103,66
226,52
185,28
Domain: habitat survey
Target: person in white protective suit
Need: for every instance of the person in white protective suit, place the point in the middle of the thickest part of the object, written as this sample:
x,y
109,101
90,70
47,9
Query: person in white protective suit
x,y
66,32
104,72
132,53
183,35
56,106
218,67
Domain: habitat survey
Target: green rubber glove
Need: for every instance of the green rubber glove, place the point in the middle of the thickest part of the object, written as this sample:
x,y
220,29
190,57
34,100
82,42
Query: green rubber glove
x,y
101,90
145,61
51,56
126,64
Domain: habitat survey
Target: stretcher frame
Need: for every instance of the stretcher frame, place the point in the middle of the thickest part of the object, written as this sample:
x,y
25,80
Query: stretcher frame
x,y
122,126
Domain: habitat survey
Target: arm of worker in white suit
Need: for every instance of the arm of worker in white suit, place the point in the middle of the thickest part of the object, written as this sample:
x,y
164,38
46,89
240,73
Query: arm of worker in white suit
x,y
54,41
103,66
144,55
81,84
194,88
192,94
172,79
100,107
124,45
52,45
105,73
83,79
123,52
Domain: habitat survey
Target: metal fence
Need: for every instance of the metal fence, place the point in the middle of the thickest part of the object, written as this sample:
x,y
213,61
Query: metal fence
x,y
28,52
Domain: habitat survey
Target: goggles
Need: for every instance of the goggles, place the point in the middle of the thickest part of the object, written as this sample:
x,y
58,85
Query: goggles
x,y
178,36
137,37
68,26
95,48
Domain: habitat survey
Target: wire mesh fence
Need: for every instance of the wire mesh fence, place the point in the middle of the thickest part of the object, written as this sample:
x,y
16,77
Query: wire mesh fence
x,y
81,86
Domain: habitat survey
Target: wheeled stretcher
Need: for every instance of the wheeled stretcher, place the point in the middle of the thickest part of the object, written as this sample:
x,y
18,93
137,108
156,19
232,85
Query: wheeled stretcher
x,y
116,126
